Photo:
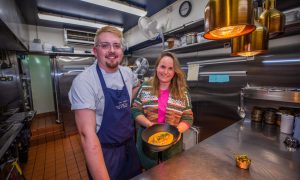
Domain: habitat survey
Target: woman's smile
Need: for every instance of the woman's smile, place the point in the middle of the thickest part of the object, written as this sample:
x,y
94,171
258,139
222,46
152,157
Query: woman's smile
x,y
165,70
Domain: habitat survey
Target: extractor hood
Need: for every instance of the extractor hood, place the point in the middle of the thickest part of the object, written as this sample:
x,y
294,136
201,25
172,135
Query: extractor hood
x,y
13,30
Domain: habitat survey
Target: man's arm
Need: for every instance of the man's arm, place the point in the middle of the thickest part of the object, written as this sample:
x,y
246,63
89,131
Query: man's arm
x,y
86,125
135,89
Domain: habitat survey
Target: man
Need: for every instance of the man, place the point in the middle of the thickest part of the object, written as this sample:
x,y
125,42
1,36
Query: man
x,y
100,97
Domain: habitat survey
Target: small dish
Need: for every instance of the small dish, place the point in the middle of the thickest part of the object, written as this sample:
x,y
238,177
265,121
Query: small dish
x,y
242,161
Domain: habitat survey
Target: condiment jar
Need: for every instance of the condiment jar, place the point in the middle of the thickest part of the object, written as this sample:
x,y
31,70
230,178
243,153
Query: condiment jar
x,y
171,42
270,116
190,38
257,114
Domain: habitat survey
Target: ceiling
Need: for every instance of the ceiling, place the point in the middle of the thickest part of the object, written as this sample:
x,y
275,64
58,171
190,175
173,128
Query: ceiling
x,y
84,10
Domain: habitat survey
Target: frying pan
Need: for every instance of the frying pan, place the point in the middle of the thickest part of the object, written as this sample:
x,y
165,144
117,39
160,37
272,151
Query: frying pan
x,y
155,129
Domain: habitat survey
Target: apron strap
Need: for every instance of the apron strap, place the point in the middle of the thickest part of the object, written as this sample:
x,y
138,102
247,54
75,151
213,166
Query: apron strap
x,y
102,79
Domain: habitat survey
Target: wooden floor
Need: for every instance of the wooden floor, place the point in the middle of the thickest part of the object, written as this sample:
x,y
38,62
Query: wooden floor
x,y
51,154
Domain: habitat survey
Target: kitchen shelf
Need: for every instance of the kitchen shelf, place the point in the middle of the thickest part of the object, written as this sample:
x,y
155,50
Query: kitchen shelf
x,y
200,46
274,94
193,26
291,28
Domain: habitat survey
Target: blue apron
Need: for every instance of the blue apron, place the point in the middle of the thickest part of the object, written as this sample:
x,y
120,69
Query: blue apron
x,y
116,133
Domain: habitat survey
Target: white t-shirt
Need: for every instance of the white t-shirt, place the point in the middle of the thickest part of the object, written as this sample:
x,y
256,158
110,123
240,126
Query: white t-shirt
x,y
86,91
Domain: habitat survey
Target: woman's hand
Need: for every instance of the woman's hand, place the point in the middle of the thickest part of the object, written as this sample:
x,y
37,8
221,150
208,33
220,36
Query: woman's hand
x,y
142,120
149,124
182,127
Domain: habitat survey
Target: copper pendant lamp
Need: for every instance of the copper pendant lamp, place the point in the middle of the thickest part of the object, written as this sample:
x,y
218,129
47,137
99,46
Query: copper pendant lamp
x,y
251,44
225,19
273,19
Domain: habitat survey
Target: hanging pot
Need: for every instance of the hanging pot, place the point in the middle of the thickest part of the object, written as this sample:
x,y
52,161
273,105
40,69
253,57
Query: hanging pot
x,y
155,129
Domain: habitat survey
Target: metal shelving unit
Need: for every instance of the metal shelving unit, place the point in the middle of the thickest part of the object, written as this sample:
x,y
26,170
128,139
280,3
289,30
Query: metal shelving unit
x,y
291,95
200,46
292,27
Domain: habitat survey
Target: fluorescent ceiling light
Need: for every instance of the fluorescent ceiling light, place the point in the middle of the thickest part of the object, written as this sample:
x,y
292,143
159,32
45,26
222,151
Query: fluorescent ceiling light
x,y
279,61
120,6
69,20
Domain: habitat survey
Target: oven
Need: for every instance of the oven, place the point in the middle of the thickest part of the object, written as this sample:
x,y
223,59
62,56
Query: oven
x,y
14,143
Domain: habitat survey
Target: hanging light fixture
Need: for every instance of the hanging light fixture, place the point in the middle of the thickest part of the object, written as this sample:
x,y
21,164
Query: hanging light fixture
x,y
273,19
225,19
254,43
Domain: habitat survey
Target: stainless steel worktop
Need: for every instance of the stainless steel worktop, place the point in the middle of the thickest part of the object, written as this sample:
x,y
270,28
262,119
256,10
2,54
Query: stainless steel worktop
x,y
213,158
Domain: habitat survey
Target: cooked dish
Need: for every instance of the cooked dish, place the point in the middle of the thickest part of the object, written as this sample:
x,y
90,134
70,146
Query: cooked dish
x,y
161,138
242,161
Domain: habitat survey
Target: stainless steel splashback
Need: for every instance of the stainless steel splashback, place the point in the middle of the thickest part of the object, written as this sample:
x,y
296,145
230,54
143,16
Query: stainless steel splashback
x,y
64,69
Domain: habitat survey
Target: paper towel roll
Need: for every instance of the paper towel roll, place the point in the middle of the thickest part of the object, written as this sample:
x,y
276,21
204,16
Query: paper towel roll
x,y
297,128
193,72
287,122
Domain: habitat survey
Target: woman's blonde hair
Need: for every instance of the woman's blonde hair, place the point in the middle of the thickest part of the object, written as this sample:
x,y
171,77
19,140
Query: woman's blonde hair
x,y
110,29
178,84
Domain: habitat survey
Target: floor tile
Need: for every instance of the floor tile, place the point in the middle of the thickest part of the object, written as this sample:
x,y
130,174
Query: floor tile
x,y
52,155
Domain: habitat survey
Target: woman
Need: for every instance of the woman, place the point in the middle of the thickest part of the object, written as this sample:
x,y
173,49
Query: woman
x,y
163,99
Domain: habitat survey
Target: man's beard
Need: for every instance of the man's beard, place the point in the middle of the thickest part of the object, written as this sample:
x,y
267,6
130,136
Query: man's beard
x,y
112,65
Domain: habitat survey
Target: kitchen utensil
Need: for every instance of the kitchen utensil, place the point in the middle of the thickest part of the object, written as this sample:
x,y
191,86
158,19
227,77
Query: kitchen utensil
x,y
241,112
241,108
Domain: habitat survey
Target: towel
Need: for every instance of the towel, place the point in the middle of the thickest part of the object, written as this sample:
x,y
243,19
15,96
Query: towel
x,y
218,78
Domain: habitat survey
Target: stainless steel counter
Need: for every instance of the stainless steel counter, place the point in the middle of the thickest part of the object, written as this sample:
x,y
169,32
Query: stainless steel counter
x,y
213,158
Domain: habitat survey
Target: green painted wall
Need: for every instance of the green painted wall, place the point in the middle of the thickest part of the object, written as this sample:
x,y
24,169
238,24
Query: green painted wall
x,y
41,83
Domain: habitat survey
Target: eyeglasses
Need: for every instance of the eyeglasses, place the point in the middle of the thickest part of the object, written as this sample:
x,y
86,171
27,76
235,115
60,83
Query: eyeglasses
x,y
107,45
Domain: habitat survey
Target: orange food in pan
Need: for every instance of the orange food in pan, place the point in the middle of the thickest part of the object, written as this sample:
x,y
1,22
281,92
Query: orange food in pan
x,y
161,138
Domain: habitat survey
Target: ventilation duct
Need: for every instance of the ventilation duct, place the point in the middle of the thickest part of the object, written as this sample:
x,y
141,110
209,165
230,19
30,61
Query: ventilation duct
x,y
79,37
